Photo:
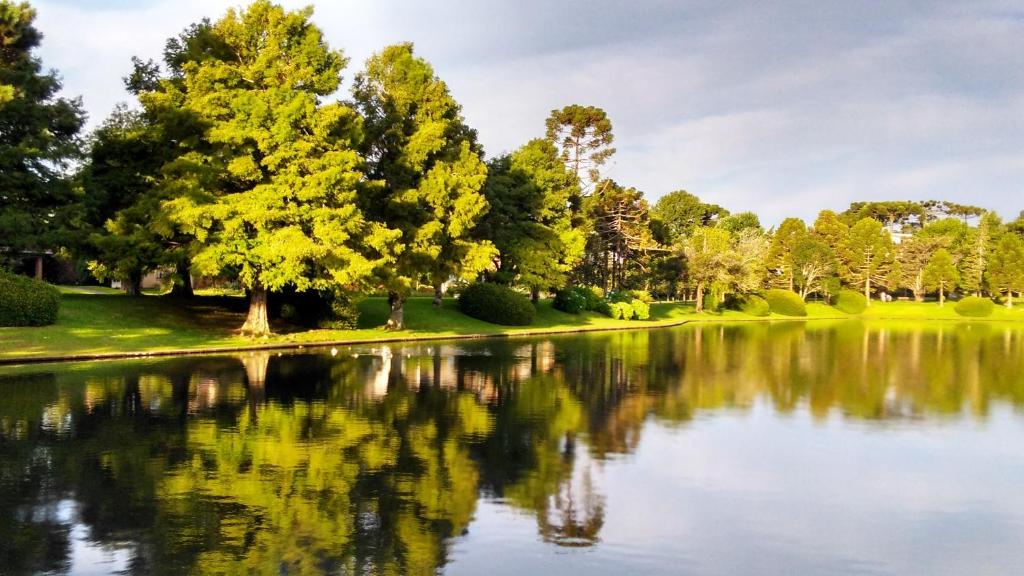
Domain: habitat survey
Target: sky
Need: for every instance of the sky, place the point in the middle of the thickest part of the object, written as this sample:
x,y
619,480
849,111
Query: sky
x,y
783,108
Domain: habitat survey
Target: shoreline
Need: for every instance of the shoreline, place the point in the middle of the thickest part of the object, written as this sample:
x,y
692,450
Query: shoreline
x,y
281,346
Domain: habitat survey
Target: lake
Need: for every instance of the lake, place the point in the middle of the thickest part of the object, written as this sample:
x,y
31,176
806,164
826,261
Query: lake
x,y
756,448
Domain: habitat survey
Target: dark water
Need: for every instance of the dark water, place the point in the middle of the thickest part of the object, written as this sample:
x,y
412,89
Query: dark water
x,y
747,449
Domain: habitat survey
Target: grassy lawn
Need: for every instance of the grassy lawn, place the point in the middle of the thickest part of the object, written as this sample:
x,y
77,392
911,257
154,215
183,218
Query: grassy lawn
x,y
98,321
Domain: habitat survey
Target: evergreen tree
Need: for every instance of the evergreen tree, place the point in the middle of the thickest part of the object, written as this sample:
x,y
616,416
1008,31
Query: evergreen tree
x,y
783,248
941,274
529,219
869,254
426,175
622,239
583,134
274,202
1005,272
38,140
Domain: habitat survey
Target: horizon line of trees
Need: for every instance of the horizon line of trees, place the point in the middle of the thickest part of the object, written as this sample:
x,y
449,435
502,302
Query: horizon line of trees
x,y
239,162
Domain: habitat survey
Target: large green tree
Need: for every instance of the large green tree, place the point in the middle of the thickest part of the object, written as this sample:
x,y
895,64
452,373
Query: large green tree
x,y
678,213
708,255
621,243
529,219
782,250
274,200
38,139
425,174
1005,272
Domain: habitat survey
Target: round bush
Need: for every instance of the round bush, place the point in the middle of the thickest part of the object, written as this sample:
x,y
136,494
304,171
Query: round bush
x,y
571,300
641,309
975,307
496,304
850,302
642,295
785,302
27,302
754,305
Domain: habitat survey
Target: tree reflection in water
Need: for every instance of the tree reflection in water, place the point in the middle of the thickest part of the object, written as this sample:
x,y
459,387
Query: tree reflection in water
x,y
373,460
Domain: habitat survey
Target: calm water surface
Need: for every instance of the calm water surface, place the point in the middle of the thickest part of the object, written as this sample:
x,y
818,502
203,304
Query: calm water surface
x,y
761,449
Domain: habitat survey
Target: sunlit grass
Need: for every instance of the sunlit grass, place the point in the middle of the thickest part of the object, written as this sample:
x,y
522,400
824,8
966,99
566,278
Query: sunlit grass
x,y
106,322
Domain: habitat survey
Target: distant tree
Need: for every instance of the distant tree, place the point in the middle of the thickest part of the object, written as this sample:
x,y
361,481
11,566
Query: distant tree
x,y
425,175
813,261
896,216
834,233
529,219
735,223
976,247
38,140
1005,274
708,253
869,253
1017,225
749,254
941,274
913,255
622,237
680,212
583,135
275,201
784,241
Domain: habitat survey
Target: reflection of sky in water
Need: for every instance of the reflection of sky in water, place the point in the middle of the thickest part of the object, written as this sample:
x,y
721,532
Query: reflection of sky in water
x,y
756,493
89,558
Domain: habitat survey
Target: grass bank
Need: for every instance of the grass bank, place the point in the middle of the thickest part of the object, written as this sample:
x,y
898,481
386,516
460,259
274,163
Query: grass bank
x,y
103,323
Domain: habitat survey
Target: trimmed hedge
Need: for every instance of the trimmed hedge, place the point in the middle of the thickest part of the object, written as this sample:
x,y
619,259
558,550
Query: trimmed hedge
x,y
975,307
25,301
641,309
754,305
785,302
850,302
496,304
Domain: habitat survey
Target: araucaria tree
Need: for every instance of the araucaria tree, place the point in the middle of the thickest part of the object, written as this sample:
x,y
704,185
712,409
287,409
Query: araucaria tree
x,y
273,199
529,219
584,138
38,137
425,175
869,253
940,274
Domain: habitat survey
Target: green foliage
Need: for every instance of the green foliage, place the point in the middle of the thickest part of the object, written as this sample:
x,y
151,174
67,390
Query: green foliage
x,y
584,137
496,304
530,219
425,173
679,213
621,310
850,302
975,307
940,273
869,253
571,300
641,309
38,139
785,302
712,303
1006,266
27,302
642,295
326,308
750,304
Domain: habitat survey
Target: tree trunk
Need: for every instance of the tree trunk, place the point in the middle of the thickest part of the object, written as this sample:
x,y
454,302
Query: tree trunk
x,y
867,290
438,294
257,324
1009,298
700,297
39,267
534,294
133,285
942,296
183,285
396,321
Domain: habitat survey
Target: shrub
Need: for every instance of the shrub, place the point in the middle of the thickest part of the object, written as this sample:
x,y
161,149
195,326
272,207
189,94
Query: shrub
x,y
975,307
785,302
850,302
314,308
594,298
27,302
622,310
712,303
571,300
754,305
496,304
641,309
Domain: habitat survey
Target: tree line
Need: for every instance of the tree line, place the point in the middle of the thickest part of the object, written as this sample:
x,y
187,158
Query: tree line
x,y
239,161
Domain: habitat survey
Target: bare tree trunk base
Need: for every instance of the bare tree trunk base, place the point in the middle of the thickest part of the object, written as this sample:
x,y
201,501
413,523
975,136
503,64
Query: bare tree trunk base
x,y
257,323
